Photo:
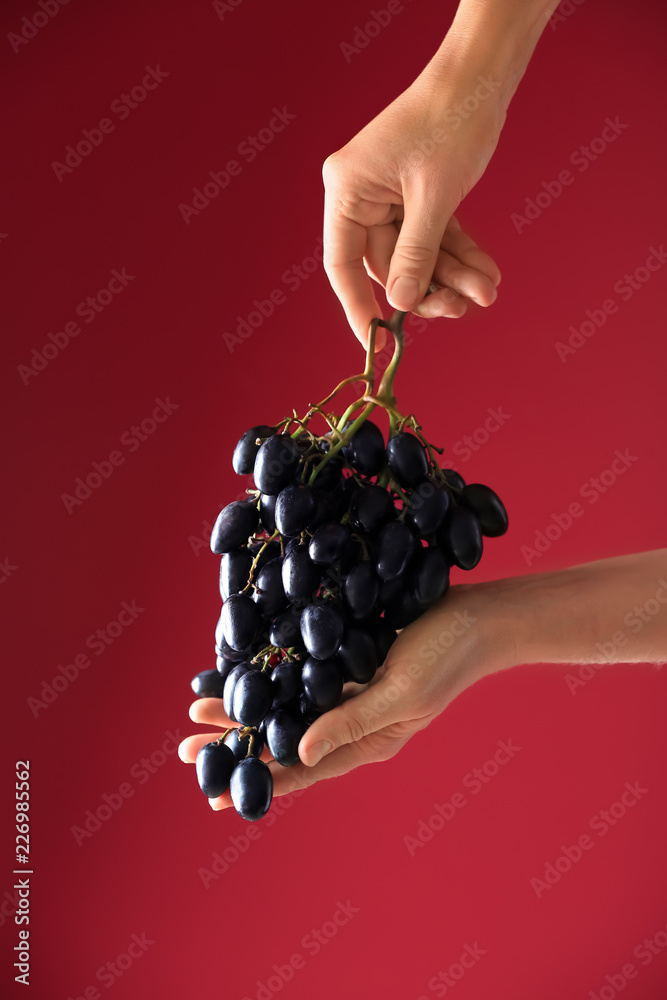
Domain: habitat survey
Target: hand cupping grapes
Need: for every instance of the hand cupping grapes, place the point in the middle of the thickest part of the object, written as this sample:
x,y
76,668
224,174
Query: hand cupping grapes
x,y
344,541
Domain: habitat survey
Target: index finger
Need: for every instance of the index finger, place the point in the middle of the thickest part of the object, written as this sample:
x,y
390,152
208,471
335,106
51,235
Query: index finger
x,y
344,249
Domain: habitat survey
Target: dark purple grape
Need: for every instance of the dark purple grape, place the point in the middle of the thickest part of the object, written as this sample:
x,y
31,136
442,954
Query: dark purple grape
x,y
366,451
234,571
370,507
283,735
300,576
208,684
264,551
267,511
269,593
358,656
428,506
224,667
326,510
453,478
407,459
322,627
234,524
395,547
402,610
361,590
330,475
286,680
383,635
328,543
239,743
308,711
251,787
241,620
488,506
296,506
286,629
215,765
461,538
245,451
230,683
253,695
276,464
222,647
429,576
322,681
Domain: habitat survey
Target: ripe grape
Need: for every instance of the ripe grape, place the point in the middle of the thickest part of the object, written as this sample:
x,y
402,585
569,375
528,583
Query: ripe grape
x,y
245,451
251,787
234,524
215,765
407,459
322,627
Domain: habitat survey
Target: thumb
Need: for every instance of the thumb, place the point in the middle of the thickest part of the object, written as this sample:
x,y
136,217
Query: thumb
x,y
350,722
416,251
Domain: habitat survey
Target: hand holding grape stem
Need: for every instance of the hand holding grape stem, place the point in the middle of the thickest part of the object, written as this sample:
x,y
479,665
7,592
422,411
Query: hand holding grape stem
x,y
391,191
475,630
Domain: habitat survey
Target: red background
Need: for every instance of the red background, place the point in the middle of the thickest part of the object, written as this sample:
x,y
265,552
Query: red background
x,y
134,538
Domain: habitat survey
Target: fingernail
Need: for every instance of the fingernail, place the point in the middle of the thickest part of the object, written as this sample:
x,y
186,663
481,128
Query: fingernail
x,y
404,292
318,751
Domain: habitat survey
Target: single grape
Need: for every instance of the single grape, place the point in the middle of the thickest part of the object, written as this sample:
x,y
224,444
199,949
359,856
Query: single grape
x,y
308,711
286,629
429,576
251,787
300,576
215,765
234,571
461,538
253,695
246,450
222,647
286,681
358,656
366,450
241,620
322,681
322,627
238,742
230,683
269,593
283,735
208,684
395,547
328,543
453,478
428,507
276,464
370,507
234,524
224,667
361,590
296,506
267,511
488,507
407,459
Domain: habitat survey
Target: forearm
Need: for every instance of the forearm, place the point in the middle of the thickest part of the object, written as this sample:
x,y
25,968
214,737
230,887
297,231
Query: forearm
x,y
609,611
491,39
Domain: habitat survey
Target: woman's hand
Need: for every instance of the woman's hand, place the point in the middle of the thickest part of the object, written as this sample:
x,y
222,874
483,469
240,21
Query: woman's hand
x,y
431,661
390,195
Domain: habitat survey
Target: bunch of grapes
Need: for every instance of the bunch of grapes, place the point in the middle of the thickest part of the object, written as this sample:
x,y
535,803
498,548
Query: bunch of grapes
x,y
345,539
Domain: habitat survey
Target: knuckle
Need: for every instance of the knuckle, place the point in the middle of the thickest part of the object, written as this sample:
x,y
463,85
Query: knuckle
x,y
354,729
